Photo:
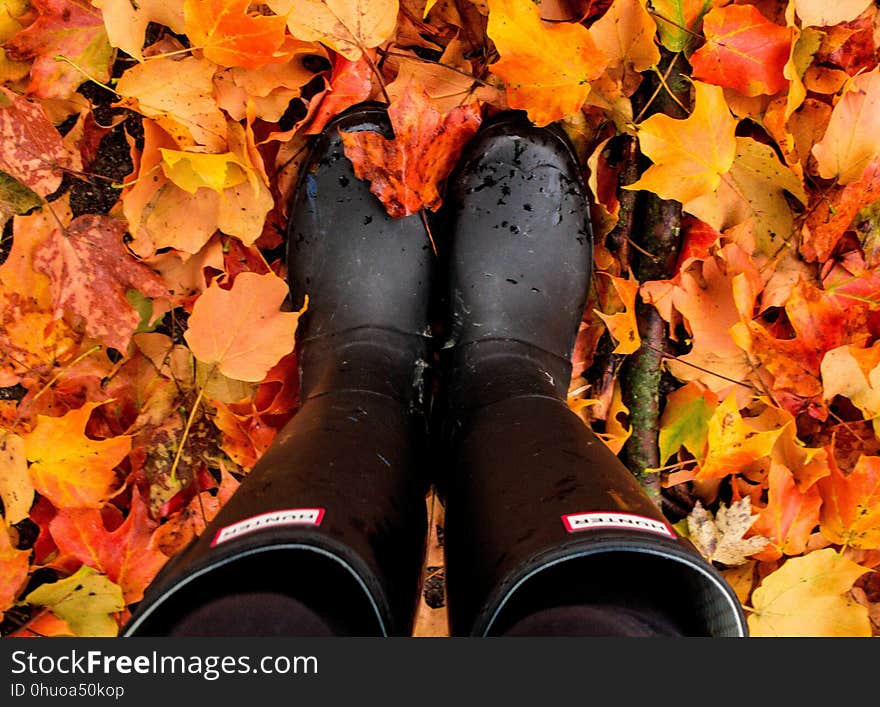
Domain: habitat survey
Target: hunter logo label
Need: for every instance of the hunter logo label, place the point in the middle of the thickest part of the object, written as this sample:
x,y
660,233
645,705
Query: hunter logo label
x,y
274,519
576,522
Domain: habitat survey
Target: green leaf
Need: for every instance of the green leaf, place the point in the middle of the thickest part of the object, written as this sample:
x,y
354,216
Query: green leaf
x,y
685,421
684,17
84,600
15,197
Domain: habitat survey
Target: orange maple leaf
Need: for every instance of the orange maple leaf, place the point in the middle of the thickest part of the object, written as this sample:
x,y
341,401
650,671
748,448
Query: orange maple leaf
x,y
67,467
407,172
125,555
851,504
790,517
230,36
547,68
743,51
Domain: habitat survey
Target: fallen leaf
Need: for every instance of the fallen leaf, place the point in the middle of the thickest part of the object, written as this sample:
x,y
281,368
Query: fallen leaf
x,y
546,68
125,555
689,156
720,539
755,189
126,22
16,489
67,467
843,372
743,51
625,35
808,596
678,20
832,212
193,170
91,270
229,35
733,444
820,13
178,94
622,325
685,421
86,600
350,83
852,139
32,150
241,330
851,505
408,171
348,26
790,517
14,566
69,28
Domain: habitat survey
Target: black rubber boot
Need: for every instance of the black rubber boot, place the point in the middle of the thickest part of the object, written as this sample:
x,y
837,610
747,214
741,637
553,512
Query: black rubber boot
x,y
333,515
539,512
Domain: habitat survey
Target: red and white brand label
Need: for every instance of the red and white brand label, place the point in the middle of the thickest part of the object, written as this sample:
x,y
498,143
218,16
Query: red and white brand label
x,y
291,516
575,522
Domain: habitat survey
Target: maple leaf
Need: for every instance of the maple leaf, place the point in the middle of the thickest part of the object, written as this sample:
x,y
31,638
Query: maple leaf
x,y
623,326
689,156
31,150
178,94
851,504
348,26
67,467
733,443
706,300
407,172
86,600
126,22
16,489
743,51
852,139
446,87
14,565
833,211
246,436
546,67
124,555
790,517
241,330
625,35
808,596
193,170
720,539
69,28
820,13
350,83
677,20
230,36
854,372
820,322
685,421
91,270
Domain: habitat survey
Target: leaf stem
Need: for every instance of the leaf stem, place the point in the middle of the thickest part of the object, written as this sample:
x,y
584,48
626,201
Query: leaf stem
x,y
189,423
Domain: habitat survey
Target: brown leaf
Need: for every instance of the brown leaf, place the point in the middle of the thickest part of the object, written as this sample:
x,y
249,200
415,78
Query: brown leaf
x,y
721,539
91,270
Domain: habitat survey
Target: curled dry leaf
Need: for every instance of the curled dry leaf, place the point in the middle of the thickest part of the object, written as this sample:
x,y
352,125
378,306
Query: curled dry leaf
x,y
720,539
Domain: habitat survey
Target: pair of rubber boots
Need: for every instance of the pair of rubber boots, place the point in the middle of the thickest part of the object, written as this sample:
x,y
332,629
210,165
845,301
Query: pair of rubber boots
x,y
538,512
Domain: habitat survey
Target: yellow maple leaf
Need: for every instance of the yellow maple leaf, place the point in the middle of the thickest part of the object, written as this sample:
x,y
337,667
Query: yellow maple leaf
x,y
622,325
192,170
348,26
547,68
690,156
67,467
733,442
807,596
